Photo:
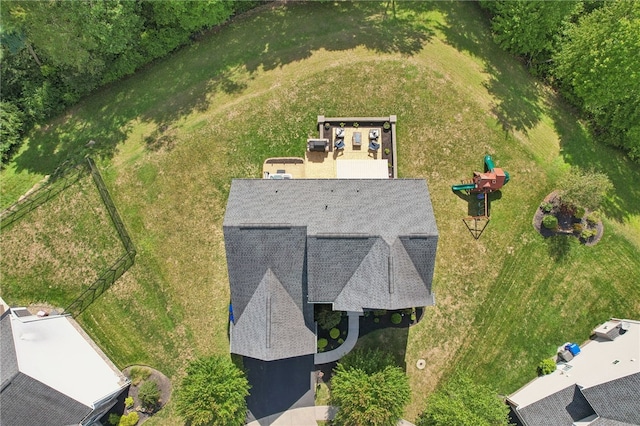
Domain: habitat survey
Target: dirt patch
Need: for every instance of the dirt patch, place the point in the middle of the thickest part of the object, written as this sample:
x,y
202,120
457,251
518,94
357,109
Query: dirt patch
x,y
164,386
565,223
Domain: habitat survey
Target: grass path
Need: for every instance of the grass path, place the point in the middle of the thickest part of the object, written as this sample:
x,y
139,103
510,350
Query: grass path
x,y
173,136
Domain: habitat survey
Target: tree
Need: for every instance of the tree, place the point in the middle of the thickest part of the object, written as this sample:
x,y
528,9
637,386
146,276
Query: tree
x,y
213,393
461,402
529,28
599,62
586,189
369,389
11,122
149,394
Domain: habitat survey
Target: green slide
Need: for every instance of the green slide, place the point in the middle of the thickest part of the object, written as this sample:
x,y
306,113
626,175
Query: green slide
x,y
463,187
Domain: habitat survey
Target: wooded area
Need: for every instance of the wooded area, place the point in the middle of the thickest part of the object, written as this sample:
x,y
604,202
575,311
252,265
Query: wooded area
x,y
55,52
589,50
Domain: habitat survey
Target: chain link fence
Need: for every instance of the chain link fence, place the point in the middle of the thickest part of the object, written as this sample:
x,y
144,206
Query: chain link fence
x,y
64,177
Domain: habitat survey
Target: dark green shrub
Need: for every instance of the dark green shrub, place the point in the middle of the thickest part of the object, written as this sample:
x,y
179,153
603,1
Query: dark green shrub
x,y
546,366
379,312
334,333
386,125
579,213
327,318
396,318
588,233
376,320
546,207
387,151
341,341
114,419
322,343
550,222
149,395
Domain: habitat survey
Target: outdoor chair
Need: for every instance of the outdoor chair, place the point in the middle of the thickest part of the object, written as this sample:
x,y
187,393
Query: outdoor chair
x,y
374,146
339,144
373,134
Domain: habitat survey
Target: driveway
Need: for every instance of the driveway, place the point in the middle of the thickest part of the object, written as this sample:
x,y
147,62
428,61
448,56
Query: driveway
x,y
278,386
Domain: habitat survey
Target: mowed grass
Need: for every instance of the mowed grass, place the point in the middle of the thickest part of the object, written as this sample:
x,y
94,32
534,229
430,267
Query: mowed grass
x,y
59,249
173,136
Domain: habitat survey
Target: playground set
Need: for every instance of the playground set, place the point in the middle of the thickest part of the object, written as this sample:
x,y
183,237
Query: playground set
x,y
482,184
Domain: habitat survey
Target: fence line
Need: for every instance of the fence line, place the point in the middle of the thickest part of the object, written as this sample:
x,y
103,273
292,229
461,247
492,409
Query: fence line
x,y
115,271
63,177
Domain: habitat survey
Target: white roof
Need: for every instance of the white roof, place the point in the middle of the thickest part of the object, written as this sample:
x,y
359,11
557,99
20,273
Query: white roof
x,y
53,351
362,169
600,361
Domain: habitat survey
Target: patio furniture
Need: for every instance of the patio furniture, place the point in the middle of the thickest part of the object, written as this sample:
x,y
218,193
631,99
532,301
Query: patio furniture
x,y
339,132
318,145
374,146
339,144
357,139
373,134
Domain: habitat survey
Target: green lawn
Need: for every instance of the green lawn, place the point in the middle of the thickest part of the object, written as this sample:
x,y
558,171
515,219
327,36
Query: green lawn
x,y
59,249
172,137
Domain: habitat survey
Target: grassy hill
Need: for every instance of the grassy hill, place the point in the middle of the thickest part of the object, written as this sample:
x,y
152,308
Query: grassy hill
x,y
171,138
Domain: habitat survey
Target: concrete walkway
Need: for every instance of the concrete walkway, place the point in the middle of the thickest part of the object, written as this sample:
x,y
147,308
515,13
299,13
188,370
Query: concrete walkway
x,y
344,348
307,416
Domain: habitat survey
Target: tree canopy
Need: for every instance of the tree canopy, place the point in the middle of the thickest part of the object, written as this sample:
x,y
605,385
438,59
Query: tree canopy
x,y
600,62
213,393
461,402
369,389
587,189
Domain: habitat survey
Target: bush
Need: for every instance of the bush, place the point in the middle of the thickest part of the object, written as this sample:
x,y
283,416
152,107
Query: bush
x,y
130,419
322,343
588,233
593,218
546,366
213,392
376,320
128,402
579,213
379,312
327,318
341,341
396,318
577,227
334,333
546,207
114,419
550,222
139,374
149,394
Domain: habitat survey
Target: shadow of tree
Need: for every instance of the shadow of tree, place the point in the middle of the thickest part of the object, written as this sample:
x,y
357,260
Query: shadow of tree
x,y
218,62
517,96
579,148
559,247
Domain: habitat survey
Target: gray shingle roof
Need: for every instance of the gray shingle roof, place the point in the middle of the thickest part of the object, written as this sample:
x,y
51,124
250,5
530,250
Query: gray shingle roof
x,y
28,402
8,359
617,400
25,401
266,267
367,243
562,408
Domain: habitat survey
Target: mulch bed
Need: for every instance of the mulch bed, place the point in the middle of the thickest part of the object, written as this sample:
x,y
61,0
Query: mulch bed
x,y
565,224
164,385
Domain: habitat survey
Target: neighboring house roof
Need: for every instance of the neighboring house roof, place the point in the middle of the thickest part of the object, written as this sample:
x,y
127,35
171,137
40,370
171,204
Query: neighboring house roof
x,y
51,372
357,243
598,387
